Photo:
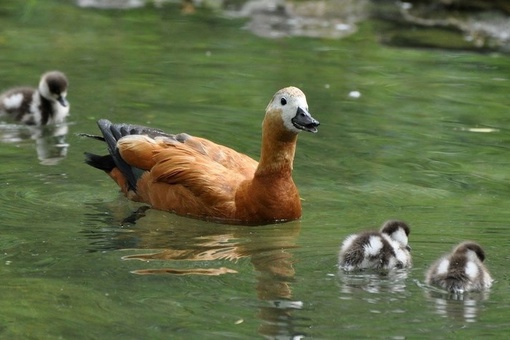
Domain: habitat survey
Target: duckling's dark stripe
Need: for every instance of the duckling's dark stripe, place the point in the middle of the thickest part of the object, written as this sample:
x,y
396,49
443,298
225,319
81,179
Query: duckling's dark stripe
x,y
45,109
386,253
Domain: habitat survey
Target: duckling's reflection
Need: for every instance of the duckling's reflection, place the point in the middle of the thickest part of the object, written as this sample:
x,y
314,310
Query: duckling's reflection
x,y
461,307
393,281
49,140
188,240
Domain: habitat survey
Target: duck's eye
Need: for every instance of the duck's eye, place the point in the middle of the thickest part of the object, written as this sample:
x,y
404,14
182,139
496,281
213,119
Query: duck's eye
x,y
283,101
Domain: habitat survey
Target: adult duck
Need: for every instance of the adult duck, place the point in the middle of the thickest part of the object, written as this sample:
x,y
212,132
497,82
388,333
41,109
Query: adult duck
x,y
45,105
195,177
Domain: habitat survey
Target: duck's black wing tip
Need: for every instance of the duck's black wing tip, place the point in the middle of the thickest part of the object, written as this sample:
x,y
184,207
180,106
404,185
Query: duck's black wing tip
x,y
105,163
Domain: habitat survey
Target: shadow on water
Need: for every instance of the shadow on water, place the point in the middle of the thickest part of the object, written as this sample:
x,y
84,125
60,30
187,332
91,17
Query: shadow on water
x,y
180,247
50,140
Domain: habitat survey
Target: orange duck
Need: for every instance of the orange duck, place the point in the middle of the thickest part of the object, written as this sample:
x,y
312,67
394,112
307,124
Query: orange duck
x,y
195,177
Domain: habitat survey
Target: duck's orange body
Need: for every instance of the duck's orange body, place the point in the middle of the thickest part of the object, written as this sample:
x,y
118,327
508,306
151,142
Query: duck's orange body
x,y
195,177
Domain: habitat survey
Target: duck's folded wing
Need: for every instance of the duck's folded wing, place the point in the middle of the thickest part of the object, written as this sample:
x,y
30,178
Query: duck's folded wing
x,y
229,158
176,163
139,151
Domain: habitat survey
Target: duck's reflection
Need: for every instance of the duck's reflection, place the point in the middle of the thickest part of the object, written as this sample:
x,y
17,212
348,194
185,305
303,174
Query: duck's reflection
x,y
461,307
393,281
188,241
49,140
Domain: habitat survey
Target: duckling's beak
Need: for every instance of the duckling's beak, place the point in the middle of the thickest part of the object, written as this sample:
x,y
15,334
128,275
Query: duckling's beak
x,y
303,120
62,101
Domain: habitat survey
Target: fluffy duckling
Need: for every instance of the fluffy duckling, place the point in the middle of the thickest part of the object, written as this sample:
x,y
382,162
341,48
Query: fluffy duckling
x,y
45,105
386,249
461,271
195,177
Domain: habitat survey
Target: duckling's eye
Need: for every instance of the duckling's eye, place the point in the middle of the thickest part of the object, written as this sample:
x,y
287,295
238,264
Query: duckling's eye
x,y
283,101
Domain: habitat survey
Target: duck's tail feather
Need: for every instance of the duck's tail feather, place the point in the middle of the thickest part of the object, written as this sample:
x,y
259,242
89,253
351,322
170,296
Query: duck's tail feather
x,y
111,134
91,136
104,163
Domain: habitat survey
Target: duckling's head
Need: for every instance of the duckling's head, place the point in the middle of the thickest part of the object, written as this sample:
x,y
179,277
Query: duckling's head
x,y
290,107
470,248
398,231
53,86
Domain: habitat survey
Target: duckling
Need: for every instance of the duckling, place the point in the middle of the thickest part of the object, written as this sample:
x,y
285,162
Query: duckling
x,y
196,177
461,271
386,249
45,105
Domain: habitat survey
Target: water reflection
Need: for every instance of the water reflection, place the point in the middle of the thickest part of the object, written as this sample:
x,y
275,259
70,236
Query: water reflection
x,y
461,307
393,281
194,247
50,140
277,19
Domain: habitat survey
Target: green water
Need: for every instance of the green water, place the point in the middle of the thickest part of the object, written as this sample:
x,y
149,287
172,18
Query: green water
x,y
427,142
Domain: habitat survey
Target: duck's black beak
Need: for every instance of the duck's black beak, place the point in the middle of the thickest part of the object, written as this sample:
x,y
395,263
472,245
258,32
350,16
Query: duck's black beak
x,y
303,120
62,101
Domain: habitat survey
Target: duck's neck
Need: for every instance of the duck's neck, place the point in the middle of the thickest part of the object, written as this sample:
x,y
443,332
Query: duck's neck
x,y
278,149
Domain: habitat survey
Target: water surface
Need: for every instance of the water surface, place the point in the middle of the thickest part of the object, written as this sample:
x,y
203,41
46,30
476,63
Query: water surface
x,y
426,141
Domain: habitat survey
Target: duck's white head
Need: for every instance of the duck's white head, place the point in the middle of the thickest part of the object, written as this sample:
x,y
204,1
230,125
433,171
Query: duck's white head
x,y
53,86
397,231
290,104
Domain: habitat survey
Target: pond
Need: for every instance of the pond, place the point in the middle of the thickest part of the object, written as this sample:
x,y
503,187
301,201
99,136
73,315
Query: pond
x,y
419,135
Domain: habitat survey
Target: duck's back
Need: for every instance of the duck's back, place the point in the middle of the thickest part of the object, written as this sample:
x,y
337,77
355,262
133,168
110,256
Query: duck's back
x,y
364,250
229,158
16,103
